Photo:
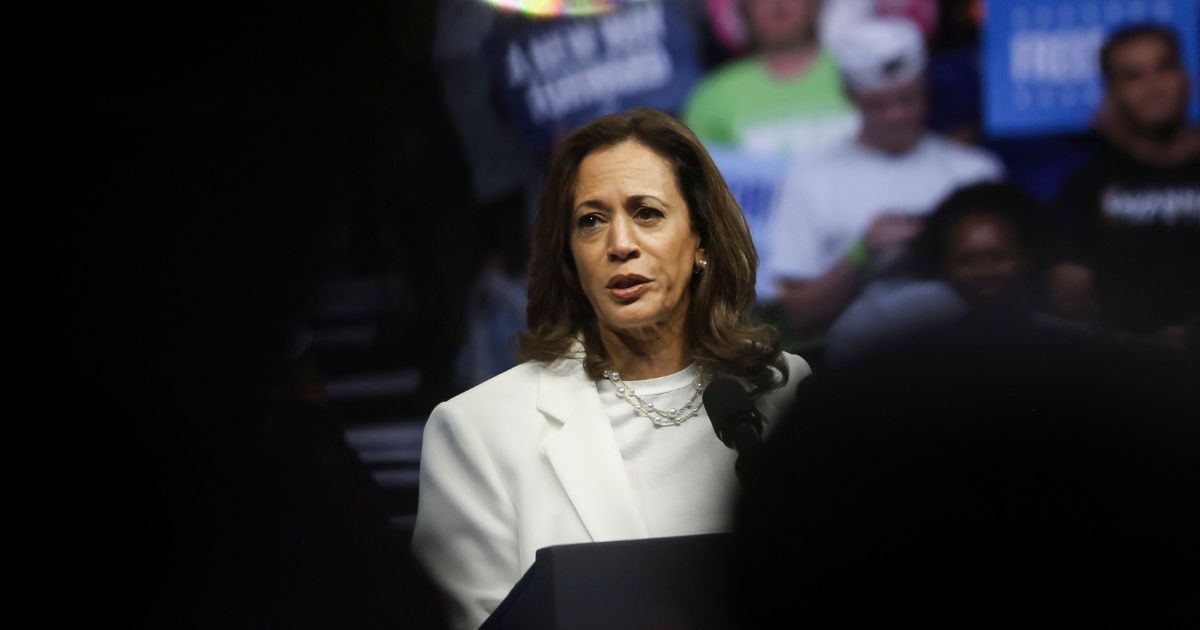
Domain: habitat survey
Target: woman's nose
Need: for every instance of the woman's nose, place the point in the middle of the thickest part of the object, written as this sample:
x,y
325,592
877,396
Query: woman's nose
x,y
622,242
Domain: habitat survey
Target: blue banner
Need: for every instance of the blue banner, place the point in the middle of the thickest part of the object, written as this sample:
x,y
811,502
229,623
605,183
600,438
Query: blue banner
x,y
754,182
1041,58
561,73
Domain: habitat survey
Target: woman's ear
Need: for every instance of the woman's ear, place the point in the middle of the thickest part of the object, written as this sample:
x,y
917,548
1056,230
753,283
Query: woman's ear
x,y
700,263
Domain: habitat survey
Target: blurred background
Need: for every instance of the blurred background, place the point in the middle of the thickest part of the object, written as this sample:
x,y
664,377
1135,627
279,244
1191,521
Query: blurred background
x,y
272,238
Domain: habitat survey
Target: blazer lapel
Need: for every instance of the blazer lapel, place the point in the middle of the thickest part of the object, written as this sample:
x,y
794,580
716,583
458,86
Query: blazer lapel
x,y
584,454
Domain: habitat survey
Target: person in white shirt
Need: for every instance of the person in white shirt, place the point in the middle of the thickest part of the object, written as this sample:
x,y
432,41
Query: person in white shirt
x,y
839,214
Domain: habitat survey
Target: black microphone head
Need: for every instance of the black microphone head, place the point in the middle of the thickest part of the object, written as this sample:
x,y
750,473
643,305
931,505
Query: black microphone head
x,y
728,405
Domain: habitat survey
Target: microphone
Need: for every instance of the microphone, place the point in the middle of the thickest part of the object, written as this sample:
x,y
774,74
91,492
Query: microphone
x,y
734,418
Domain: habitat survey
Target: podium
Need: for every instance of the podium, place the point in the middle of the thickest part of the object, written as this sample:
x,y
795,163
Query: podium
x,y
654,583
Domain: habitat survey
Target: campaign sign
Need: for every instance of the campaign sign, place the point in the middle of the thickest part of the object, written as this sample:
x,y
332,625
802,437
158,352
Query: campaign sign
x,y
560,73
754,181
1041,58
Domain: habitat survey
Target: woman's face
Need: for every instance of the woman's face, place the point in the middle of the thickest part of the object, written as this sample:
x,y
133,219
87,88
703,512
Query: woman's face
x,y
984,261
632,240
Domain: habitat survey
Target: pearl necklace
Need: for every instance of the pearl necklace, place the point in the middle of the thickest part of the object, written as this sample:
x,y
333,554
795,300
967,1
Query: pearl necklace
x,y
660,417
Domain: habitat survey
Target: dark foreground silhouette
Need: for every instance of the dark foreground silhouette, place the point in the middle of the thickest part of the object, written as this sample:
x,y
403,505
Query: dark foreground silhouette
x,y
983,477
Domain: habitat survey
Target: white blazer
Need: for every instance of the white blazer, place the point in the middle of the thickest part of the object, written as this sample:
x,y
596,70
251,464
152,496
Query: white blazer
x,y
524,461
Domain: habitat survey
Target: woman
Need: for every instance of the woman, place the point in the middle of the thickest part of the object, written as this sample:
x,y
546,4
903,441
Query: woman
x,y
641,285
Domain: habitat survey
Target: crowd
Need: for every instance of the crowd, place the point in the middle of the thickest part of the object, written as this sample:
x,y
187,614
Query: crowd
x,y
841,127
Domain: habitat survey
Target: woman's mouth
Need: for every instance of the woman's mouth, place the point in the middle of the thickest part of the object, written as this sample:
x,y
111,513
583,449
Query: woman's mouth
x,y
627,288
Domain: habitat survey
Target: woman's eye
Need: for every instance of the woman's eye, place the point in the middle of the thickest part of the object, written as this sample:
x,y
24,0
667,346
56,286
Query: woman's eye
x,y
646,213
588,221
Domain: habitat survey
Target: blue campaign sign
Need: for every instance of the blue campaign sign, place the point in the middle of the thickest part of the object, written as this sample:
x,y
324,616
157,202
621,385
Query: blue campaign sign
x,y
754,181
1041,58
560,73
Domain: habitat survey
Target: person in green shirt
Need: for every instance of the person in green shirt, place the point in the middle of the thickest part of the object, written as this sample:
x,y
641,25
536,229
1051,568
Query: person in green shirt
x,y
786,99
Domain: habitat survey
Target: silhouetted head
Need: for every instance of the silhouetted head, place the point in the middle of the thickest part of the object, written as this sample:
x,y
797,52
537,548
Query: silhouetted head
x,y
978,479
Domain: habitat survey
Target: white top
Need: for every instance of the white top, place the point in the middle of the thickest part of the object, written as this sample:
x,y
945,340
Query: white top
x,y
682,476
827,203
530,459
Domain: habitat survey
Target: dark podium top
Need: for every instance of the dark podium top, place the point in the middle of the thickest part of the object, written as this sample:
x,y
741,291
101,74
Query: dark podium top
x,y
653,583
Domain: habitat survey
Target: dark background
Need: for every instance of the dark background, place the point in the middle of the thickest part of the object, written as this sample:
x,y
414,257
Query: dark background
x,y
185,173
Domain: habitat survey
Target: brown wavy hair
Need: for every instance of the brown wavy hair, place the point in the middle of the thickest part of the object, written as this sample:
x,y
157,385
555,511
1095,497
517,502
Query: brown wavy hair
x,y
720,330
